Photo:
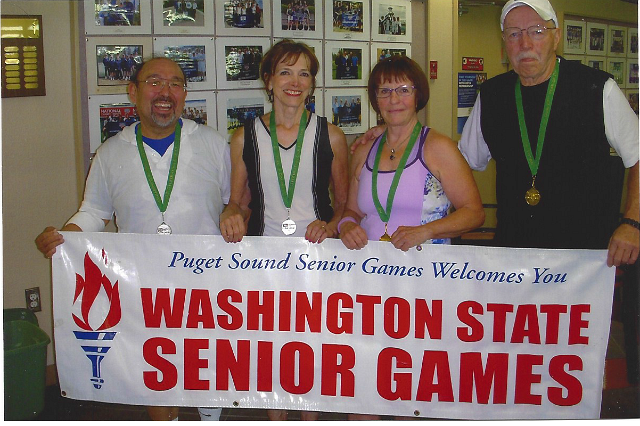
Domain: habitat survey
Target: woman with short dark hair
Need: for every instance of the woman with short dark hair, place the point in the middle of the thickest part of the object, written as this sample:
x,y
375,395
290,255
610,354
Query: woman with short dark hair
x,y
404,184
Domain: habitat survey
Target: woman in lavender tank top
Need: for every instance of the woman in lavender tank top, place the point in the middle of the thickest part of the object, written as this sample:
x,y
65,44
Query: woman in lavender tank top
x,y
403,184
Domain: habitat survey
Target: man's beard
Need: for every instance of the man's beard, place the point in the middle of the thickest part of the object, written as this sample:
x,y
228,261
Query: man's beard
x,y
164,120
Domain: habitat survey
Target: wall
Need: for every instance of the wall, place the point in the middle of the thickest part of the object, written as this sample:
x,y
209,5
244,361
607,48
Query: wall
x,y
419,50
441,31
41,175
616,10
479,36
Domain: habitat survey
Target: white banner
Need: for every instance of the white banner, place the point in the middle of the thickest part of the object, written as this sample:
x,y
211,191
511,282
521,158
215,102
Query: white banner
x,y
447,332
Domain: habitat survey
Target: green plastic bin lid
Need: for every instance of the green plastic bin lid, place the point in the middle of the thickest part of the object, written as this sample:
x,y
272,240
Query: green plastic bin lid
x,y
20,335
13,314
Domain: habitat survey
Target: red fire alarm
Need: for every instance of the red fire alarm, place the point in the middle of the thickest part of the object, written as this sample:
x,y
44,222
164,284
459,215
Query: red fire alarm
x,y
433,70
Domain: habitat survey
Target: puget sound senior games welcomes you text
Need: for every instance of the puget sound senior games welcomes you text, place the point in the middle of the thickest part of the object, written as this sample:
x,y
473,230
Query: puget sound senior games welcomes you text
x,y
371,265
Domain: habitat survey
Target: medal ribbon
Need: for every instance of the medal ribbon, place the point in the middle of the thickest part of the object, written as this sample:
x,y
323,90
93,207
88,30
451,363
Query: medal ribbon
x,y
287,197
534,162
385,214
162,204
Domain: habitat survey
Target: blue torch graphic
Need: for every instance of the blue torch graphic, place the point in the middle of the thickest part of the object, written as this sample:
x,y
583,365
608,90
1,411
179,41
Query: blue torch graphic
x,y
95,349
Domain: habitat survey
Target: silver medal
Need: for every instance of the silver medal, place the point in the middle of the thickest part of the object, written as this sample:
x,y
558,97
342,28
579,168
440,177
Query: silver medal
x,y
288,227
164,229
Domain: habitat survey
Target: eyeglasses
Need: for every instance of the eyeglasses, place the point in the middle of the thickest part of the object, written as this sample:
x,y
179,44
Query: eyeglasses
x,y
535,32
157,84
403,91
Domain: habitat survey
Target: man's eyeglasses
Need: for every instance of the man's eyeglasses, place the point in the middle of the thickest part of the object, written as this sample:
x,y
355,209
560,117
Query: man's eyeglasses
x,y
403,91
535,32
157,84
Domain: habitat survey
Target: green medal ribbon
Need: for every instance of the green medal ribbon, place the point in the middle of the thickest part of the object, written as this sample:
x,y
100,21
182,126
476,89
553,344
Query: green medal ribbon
x,y
162,204
385,214
534,162
287,197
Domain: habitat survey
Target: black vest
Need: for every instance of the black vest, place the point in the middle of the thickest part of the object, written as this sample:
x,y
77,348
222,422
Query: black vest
x,y
579,181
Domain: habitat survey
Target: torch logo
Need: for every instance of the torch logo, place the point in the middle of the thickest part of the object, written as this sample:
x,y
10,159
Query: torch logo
x,y
96,302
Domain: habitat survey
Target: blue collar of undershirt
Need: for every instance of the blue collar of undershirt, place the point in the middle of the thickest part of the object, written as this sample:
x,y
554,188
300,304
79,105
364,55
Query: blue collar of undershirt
x,y
160,145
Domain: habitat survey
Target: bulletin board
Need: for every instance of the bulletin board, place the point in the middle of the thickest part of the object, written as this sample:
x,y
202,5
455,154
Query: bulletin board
x,y
204,36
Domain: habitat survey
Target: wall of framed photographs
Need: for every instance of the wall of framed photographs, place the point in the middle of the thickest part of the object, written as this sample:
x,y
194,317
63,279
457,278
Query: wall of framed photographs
x,y
607,45
219,45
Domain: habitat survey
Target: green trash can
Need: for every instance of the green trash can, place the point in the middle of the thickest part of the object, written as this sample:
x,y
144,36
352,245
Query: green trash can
x,y
25,361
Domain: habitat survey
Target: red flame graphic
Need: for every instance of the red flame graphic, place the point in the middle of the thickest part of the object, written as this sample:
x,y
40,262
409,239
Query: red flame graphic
x,y
89,287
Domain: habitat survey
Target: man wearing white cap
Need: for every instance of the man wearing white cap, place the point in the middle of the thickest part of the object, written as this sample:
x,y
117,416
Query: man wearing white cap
x,y
549,124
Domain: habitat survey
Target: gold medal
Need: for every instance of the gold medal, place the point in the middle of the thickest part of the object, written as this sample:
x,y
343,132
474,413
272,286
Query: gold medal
x,y
532,196
385,236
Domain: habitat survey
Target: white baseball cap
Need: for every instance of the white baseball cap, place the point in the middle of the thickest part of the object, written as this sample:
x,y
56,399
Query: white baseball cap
x,y
542,8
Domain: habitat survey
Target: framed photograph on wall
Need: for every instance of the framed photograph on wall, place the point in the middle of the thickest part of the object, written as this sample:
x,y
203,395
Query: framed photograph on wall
x,y
316,47
617,41
201,108
108,114
347,109
111,62
596,39
632,43
596,62
381,51
575,36
391,20
347,19
182,17
631,75
243,17
122,17
316,103
195,55
617,68
297,18
347,64
632,97
235,107
375,119
239,61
